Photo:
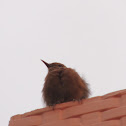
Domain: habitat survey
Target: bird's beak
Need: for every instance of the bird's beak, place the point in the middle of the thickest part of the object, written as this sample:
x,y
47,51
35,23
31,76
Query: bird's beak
x,y
45,63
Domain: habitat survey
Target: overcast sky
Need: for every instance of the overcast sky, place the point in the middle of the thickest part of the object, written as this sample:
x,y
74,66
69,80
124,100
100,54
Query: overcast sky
x,y
87,35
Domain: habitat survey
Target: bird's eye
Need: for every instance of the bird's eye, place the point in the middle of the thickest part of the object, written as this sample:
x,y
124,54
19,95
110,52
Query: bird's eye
x,y
59,65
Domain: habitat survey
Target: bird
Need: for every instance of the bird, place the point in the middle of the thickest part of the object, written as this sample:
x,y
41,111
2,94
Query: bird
x,y
63,84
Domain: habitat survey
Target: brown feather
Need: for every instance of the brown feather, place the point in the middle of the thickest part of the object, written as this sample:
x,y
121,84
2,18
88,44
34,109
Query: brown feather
x,y
63,84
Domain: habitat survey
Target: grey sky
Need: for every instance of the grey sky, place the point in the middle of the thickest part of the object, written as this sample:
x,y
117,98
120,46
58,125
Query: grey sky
x,y
89,36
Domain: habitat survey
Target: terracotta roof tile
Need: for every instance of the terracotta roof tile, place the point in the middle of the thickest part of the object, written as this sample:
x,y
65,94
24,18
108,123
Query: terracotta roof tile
x,y
107,110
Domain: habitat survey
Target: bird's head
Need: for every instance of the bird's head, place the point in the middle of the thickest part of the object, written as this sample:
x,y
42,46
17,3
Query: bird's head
x,y
53,66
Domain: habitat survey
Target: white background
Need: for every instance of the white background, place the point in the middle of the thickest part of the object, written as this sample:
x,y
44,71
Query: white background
x,y
88,35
